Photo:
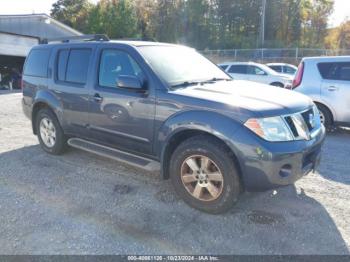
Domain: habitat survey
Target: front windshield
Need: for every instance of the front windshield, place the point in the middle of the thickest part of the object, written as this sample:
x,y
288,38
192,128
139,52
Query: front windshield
x,y
177,64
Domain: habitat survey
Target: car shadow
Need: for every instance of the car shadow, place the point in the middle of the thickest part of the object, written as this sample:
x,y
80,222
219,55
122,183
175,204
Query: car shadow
x,y
335,151
79,203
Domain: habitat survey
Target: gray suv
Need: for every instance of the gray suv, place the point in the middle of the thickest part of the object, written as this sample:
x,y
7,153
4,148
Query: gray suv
x,y
151,104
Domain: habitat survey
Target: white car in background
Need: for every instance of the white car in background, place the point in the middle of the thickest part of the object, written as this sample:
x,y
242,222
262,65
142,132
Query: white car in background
x,y
326,80
283,68
256,72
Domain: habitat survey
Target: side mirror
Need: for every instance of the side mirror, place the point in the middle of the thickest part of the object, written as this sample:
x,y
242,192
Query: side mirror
x,y
129,82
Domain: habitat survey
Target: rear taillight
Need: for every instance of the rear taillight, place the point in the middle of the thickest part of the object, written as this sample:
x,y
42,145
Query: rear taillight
x,y
299,76
22,83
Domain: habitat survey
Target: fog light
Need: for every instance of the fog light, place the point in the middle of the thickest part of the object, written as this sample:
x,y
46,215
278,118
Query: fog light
x,y
286,170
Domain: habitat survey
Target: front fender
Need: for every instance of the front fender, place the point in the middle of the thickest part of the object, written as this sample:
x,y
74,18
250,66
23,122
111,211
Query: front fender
x,y
213,123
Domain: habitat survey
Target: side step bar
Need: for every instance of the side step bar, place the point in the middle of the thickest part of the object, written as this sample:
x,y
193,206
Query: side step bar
x,y
105,151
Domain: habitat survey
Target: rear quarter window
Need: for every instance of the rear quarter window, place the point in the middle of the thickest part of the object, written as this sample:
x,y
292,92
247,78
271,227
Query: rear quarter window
x,y
276,68
37,63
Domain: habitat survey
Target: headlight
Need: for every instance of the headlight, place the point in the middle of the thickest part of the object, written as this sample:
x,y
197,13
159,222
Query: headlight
x,y
270,128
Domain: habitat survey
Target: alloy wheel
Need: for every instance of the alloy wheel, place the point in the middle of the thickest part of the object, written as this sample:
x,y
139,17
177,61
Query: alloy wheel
x,y
48,132
202,178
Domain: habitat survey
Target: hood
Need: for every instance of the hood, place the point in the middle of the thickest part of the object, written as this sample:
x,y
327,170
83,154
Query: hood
x,y
260,99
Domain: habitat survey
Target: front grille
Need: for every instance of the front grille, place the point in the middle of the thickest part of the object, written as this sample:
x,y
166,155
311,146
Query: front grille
x,y
304,124
291,125
308,117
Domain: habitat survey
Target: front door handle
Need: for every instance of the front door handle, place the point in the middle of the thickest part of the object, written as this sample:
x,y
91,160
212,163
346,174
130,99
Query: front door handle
x,y
97,98
332,88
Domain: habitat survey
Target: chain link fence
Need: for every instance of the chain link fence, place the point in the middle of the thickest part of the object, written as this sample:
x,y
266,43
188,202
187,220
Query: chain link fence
x,y
285,55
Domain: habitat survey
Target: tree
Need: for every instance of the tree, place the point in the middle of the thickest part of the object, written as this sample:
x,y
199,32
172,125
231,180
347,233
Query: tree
x,y
339,37
315,16
73,13
116,18
205,24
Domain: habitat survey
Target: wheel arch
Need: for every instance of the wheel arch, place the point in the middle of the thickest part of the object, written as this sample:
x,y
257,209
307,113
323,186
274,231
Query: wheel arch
x,y
276,83
183,127
331,111
45,99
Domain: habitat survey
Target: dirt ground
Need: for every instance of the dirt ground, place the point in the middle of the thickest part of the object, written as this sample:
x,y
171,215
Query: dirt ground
x,y
79,203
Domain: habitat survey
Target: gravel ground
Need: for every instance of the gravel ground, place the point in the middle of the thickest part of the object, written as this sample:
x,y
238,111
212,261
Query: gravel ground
x,y
82,204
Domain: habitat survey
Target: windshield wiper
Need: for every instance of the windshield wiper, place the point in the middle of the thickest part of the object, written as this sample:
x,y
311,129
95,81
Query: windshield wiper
x,y
186,83
192,83
215,79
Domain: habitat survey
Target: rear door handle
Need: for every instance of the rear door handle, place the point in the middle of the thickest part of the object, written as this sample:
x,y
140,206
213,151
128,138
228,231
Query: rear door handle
x,y
97,98
332,88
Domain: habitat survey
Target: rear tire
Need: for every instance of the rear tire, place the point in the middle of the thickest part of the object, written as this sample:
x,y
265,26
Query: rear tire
x,y
50,133
210,181
326,116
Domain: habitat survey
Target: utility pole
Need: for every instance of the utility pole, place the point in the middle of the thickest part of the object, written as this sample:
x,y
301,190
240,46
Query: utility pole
x,y
262,23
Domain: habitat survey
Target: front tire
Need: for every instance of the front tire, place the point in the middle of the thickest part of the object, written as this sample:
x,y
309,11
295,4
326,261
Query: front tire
x,y
203,173
326,116
50,133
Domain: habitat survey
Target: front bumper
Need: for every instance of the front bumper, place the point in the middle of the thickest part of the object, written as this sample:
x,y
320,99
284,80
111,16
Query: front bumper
x,y
267,165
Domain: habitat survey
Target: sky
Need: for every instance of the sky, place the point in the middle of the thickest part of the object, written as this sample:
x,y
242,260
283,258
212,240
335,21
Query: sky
x,y
341,8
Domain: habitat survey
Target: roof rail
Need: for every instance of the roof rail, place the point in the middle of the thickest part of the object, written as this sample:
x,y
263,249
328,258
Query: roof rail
x,y
67,39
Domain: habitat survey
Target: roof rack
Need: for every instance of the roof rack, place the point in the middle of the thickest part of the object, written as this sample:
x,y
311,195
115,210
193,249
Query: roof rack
x,y
95,37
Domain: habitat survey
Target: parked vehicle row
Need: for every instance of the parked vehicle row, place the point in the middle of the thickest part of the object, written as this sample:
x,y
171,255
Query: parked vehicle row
x,y
283,68
257,73
149,103
326,80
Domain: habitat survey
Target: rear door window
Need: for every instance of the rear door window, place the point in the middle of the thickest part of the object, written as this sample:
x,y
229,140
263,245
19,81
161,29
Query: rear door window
x,y
37,63
277,68
344,71
77,66
327,70
335,71
254,70
238,69
289,70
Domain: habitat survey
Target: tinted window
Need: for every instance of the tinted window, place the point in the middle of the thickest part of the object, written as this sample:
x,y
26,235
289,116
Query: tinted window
x,y
238,69
344,72
254,70
115,63
78,64
289,70
276,68
37,63
62,64
335,71
223,67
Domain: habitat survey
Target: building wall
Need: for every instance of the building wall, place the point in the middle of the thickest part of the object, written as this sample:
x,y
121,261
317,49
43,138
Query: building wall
x,y
16,45
19,33
40,25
